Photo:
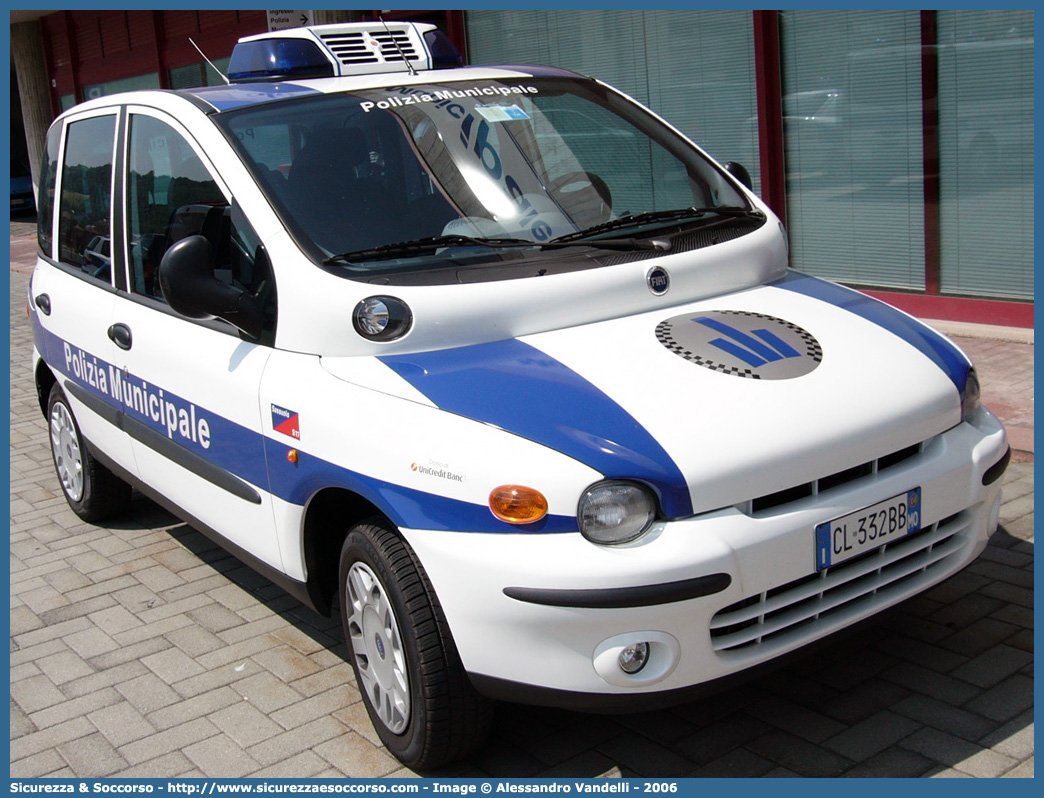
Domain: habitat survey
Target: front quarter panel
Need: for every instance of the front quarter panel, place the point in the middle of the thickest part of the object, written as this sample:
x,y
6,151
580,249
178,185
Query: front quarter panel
x,y
421,466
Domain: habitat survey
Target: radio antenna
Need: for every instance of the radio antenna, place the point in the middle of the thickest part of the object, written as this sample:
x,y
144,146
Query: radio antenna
x,y
402,55
227,81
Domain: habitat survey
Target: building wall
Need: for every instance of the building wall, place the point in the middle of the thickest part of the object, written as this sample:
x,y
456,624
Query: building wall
x,y
90,53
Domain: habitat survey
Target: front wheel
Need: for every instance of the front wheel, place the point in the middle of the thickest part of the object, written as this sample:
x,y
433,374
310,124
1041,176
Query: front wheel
x,y
416,692
93,492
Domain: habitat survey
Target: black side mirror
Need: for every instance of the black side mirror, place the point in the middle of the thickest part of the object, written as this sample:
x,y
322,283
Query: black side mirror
x,y
739,171
186,275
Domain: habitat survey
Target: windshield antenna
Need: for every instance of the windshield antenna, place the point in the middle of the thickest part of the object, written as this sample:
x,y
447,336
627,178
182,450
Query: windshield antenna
x,y
227,81
395,41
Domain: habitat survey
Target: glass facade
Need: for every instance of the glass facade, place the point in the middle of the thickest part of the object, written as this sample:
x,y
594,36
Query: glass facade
x,y
986,152
877,195
201,74
695,68
149,81
854,165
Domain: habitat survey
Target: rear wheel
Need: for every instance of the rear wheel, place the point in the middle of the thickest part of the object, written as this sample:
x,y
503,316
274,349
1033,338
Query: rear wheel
x,y
93,492
415,689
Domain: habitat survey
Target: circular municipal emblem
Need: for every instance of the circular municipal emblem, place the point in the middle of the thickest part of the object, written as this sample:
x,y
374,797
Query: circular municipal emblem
x,y
743,344
658,280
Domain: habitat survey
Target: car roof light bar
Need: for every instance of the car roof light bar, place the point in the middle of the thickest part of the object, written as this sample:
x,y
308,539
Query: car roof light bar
x,y
355,48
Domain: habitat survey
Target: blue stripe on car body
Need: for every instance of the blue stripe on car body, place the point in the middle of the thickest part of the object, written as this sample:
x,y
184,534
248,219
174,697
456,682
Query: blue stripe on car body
x,y
522,390
261,461
405,507
931,344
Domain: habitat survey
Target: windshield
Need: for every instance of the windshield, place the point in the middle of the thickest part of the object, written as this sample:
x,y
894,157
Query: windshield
x,y
481,165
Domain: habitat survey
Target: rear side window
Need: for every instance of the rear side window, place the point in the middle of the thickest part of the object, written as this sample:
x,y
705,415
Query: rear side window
x,y
45,202
86,202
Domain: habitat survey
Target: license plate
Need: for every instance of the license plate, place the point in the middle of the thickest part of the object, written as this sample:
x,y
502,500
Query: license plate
x,y
866,529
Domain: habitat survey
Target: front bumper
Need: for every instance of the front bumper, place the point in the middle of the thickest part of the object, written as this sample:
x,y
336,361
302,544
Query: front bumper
x,y
713,595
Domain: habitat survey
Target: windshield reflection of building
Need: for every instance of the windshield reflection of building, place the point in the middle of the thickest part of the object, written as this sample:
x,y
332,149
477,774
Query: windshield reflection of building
x,y
486,172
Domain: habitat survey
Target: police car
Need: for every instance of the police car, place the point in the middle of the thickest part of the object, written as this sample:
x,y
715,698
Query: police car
x,y
500,365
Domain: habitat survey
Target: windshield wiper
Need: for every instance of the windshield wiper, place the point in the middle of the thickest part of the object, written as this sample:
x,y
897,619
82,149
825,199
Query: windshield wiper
x,y
426,245
437,242
647,217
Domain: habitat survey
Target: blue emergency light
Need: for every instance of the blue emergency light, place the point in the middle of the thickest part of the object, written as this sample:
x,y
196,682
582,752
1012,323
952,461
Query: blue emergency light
x,y
278,59
444,53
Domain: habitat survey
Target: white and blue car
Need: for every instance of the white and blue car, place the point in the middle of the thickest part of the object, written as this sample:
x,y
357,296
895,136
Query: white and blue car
x,y
498,364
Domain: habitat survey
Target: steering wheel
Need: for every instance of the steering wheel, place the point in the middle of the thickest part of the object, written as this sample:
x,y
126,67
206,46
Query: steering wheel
x,y
585,197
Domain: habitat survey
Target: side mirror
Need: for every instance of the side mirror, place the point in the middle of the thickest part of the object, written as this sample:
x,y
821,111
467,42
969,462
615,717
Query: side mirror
x,y
186,275
739,171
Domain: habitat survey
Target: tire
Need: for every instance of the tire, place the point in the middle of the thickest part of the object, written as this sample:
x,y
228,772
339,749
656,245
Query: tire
x,y
93,492
416,692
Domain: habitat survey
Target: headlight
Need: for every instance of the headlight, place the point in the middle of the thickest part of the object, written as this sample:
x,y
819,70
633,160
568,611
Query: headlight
x,y
615,512
382,318
970,399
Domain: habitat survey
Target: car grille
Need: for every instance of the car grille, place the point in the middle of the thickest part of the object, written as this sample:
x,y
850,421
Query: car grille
x,y
775,501
797,611
356,48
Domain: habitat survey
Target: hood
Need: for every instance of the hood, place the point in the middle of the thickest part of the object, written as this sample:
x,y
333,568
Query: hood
x,y
714,402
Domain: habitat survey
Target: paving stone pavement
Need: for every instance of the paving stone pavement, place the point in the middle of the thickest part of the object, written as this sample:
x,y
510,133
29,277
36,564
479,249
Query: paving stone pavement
x,y
139,648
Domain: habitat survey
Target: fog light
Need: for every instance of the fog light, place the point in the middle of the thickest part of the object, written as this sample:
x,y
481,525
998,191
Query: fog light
x,y
623,661
633,657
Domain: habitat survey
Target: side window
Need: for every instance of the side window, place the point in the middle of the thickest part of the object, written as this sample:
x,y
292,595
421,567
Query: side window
x,y
170,196
45,202
86,201
248,267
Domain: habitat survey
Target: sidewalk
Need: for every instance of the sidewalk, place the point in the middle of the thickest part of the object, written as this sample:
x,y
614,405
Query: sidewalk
x,y
140,649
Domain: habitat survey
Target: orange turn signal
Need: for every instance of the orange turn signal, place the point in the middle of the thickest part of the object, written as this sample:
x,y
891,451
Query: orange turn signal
x,y
517,504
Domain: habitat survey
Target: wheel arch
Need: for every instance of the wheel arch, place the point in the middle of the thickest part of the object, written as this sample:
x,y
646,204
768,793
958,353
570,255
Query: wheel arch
x,y
329,516
45,379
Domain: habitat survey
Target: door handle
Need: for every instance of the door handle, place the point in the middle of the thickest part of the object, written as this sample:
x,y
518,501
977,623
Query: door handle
x,y
43,301
120,335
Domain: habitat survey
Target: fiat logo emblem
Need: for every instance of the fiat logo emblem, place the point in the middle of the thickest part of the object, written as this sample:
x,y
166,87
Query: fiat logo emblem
x,y
658,280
